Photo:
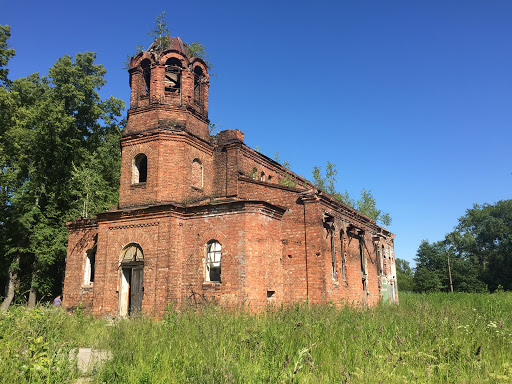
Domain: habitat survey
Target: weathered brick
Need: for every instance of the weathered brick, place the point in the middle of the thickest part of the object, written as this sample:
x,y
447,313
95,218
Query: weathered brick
x,y
276,240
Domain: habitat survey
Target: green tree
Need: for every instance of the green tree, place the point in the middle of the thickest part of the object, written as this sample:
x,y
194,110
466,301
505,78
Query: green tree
x,y
483,237
365,204
160,32
404,275
63,154
5,52
433,257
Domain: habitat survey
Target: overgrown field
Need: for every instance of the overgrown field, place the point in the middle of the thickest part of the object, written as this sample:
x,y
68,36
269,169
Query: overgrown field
x,y
436,338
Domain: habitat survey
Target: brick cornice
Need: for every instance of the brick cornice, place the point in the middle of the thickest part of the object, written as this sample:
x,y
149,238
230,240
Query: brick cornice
x,y
167,134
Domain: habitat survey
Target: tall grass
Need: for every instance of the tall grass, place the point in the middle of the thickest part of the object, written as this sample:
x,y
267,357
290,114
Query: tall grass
x,y
436,338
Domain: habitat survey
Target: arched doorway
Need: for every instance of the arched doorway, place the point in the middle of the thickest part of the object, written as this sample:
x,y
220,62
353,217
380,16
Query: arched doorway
x,y
131,289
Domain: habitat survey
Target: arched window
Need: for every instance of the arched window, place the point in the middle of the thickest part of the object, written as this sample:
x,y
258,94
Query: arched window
x,y
132,253
213,256
198,85
146,74
197,174
262,176
173,75
140,169
90,261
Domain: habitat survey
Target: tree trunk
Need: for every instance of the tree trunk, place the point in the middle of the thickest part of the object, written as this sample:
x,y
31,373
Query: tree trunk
x,y
11,286
32,293
32,296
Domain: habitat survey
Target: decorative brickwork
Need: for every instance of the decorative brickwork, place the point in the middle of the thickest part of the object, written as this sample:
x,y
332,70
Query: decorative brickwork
x,y
182,190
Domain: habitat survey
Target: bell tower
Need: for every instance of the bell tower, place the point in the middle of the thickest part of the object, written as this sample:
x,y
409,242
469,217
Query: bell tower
x,y
165,148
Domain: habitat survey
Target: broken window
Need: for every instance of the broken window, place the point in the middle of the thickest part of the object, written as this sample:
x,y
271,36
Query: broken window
x,y
198,85
333,254
213,256
146,74
363,259
90,260
173,76
197,174
343,259
140,169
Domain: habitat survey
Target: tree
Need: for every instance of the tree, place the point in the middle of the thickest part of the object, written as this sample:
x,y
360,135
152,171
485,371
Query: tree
x,y
366,203
63,154
160,32
404,275
483,236
433,257
5,53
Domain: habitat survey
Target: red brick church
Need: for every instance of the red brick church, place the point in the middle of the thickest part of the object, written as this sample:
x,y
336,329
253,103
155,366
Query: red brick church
x,y
205,218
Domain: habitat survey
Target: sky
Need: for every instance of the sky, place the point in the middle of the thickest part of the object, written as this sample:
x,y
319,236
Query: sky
x,y
410,99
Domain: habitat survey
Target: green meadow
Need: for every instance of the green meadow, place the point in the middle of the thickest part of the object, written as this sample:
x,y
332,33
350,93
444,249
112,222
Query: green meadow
x,y
428,338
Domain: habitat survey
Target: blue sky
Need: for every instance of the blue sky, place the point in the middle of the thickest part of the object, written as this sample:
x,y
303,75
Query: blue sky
x,y
411,99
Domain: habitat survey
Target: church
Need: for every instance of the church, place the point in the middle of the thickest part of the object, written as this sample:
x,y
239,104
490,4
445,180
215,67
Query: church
x,y
206,219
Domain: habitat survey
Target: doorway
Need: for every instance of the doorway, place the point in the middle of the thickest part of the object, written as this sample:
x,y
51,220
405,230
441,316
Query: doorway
x,y
131,287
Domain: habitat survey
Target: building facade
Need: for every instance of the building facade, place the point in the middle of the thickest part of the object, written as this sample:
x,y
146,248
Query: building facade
x,y
205,218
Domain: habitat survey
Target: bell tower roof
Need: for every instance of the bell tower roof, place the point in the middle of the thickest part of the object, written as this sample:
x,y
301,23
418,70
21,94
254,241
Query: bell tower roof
x,y
171,43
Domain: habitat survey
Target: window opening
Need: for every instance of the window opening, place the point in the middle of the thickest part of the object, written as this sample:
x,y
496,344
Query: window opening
x,y
333,254
343,259
271,296
90,261
198,85
140,169
146,74
197,174
262,176
213,261
173,76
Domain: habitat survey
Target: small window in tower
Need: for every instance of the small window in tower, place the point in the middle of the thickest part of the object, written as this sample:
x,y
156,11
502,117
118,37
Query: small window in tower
x,y
198,85
197,174
146,74
213,256
173,76
140,169
262,176
90,260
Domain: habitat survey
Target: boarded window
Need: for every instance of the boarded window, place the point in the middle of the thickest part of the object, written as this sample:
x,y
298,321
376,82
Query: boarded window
x,y
173,76
197,174
90,261
213,260
140,169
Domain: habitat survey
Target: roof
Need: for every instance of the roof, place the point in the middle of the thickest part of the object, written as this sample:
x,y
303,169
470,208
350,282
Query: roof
x,y
176,44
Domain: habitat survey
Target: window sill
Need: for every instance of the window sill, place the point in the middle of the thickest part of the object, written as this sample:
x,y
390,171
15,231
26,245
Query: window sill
x,y
212,285
138,185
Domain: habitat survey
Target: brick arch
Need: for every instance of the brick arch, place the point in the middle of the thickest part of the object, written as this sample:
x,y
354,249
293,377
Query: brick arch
x,y
141,239
198,62
212,234
173,54
135,61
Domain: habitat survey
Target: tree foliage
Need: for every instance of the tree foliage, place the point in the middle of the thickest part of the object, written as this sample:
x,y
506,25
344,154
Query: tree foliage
x,y
479,251
366,204
404,275
59,154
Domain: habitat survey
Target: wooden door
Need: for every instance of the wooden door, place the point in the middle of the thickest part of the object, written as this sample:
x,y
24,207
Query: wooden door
x,y
136,291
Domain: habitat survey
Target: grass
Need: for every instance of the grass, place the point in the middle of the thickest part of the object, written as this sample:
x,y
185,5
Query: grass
x,y
436,338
